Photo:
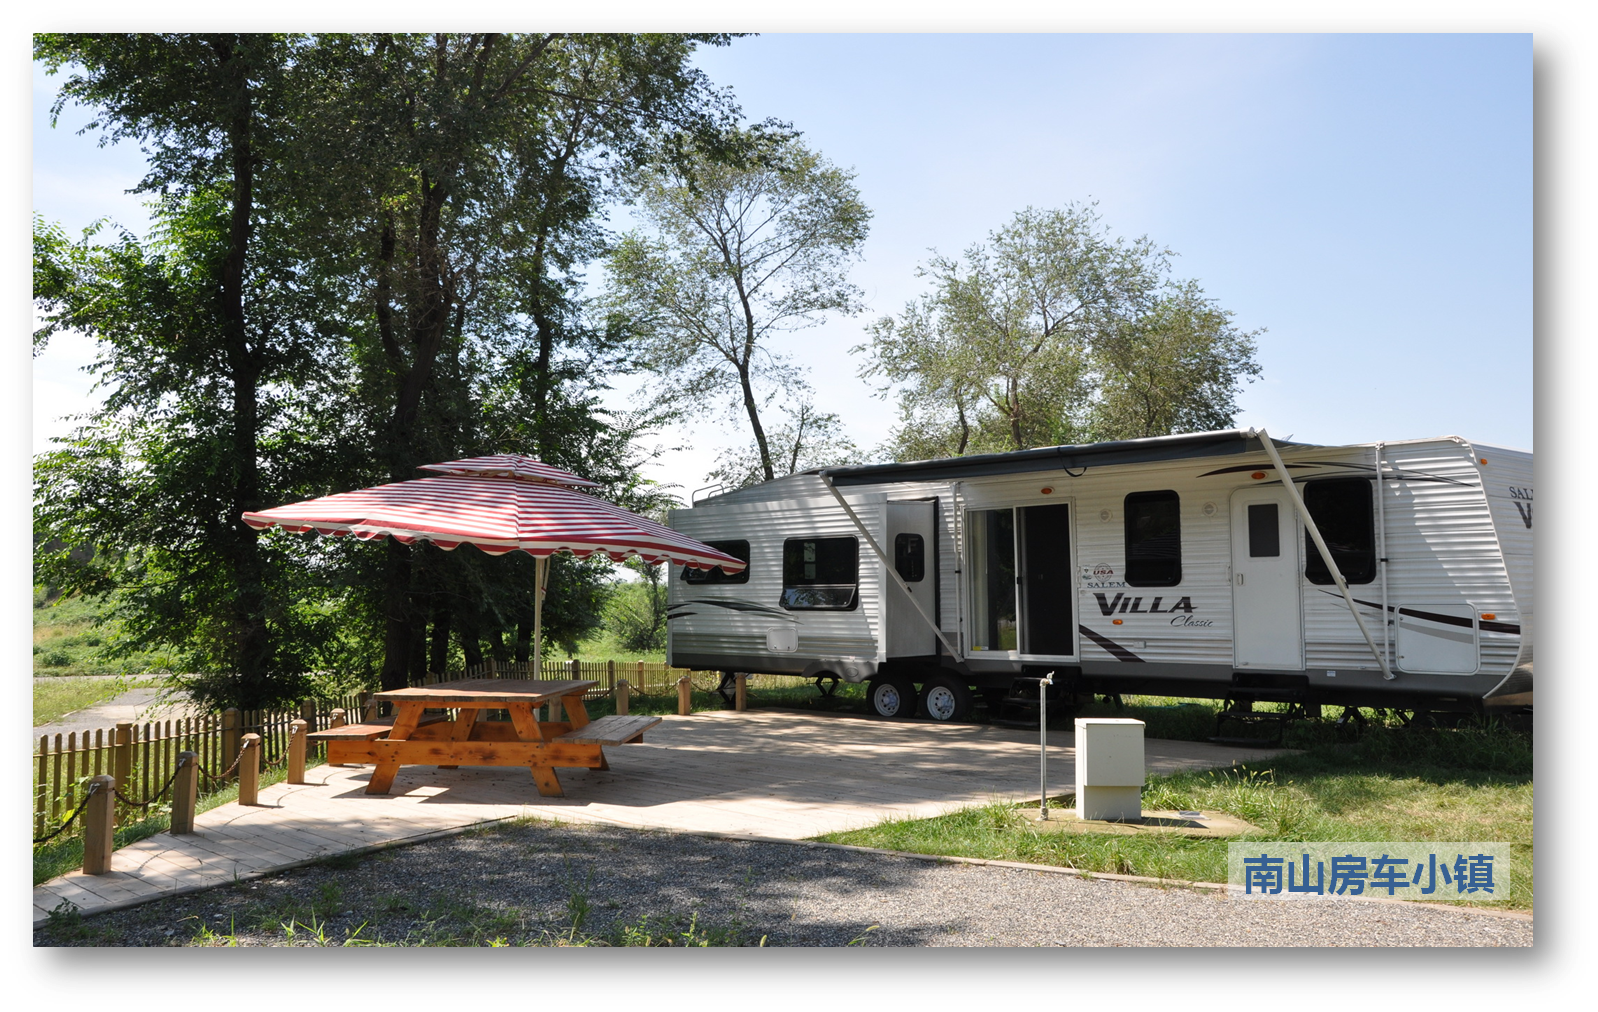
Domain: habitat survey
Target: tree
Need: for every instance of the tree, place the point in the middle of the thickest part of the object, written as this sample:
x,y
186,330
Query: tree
x,y
637,610
743,248
467,188
1174,369
398,222
1055,331
190,326
809,439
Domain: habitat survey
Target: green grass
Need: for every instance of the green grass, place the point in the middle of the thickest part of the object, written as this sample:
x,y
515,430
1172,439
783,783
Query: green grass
x,y
54,698
1392,785
76,636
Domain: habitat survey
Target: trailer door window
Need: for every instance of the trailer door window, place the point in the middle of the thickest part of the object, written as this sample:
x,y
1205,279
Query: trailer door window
x,y
1153,539
736,549
820,574
993,624
909,557
1264,533
1342,510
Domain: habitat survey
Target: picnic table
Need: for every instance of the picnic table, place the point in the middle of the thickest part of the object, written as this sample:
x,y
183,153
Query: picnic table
x,y
415,737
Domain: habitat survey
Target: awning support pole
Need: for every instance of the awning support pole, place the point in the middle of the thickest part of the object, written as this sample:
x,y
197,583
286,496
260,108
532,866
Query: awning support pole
x,y
1320,545
887,567
540,581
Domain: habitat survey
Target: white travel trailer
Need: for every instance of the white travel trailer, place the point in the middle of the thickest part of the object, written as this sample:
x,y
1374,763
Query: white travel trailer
x,y
1179,565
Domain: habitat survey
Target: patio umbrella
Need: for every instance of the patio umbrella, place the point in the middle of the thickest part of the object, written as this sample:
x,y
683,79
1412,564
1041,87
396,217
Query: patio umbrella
x,y
501,503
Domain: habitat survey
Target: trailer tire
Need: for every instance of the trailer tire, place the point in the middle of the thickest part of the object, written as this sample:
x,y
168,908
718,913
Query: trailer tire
x,y
892,697
946,699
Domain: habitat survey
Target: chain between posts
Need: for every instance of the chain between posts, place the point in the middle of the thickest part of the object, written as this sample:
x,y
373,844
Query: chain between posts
x,y
147,802
93,790
220,777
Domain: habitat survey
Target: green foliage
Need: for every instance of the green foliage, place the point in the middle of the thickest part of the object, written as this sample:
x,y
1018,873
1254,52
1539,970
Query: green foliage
x,y
366,256
739,250
636,614
1055,332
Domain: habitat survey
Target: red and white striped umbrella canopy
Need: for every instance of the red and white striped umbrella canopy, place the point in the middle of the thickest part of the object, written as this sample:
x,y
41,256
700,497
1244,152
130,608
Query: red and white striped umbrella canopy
x,y
503,503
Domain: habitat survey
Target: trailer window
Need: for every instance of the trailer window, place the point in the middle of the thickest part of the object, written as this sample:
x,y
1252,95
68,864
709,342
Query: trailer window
x,y
1342,510
736,549
820,574
1153,539
909,557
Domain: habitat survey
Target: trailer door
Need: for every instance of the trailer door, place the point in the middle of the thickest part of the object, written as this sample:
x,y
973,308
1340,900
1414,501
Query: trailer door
x,y
1267,621
912,548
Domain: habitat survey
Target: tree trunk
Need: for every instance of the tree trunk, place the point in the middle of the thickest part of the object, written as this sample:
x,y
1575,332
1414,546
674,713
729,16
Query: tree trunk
x,y
396,616
439,658
471,641
524,639
254,647
754,421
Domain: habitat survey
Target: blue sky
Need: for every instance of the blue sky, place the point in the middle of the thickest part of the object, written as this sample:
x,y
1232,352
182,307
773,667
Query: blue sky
x,y
1365,198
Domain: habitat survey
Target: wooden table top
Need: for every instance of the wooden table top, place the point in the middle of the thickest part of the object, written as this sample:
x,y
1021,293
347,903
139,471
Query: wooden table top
x,y
487,691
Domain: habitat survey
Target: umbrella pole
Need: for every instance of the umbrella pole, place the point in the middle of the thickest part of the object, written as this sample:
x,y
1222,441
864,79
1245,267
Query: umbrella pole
x,y
540,577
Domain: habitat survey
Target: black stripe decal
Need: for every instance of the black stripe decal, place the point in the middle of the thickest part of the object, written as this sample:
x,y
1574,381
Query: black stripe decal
x,y
1111,647
1431,616
733,606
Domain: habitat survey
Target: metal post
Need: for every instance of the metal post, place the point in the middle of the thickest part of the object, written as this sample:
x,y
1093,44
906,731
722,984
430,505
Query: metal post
x,y
1043,745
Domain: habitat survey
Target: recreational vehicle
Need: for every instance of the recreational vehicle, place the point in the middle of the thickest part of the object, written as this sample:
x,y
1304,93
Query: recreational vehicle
x,y
1225,565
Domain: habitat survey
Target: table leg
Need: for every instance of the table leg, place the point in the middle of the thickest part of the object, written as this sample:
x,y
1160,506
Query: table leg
x,y
548,783
382,777
576,712
461,730
407,715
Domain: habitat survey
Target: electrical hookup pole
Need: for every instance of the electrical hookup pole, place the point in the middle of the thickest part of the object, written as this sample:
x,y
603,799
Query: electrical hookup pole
x,y
1043,745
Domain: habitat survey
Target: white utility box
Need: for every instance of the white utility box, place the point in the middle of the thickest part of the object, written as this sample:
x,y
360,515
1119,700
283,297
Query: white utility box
x,y
1109,768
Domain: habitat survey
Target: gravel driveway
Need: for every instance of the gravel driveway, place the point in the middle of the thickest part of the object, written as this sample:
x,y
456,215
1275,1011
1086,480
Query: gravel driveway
x,y
529,883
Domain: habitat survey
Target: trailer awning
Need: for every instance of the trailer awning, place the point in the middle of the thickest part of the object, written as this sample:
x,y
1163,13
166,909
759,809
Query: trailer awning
x,y
1056,458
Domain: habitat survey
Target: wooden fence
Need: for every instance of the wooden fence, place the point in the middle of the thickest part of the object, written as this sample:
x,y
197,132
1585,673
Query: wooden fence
x,y
143,756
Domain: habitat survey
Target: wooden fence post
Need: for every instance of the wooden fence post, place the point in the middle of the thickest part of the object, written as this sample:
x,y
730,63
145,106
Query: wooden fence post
x,y
610,677
624,694
230,736
308,713
185,791
97,829
685,704
368,705
741,693
298,730
121,757
642,683
250,769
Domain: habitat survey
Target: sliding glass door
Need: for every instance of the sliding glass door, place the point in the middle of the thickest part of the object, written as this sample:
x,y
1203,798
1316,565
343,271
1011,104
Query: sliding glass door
x,y
1021,588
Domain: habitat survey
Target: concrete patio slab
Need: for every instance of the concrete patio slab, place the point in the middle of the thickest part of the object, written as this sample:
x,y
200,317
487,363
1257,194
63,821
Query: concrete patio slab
x,y
771,773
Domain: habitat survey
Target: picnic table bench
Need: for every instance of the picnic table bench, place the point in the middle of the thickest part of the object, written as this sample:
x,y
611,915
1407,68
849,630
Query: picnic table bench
x,y
414,737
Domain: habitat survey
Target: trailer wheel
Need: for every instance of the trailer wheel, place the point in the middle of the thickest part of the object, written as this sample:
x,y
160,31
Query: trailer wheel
x,y
892,697
946,699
